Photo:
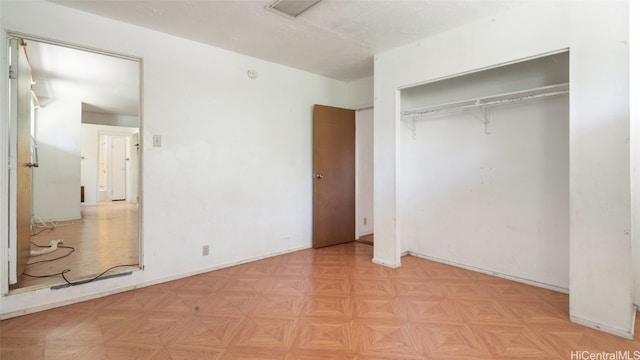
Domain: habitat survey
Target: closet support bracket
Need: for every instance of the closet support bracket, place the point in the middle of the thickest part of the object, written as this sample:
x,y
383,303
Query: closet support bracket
x,y
486,116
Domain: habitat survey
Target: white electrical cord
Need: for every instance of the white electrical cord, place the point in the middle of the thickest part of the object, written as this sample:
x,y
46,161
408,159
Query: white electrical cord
x,y
44,223
53,246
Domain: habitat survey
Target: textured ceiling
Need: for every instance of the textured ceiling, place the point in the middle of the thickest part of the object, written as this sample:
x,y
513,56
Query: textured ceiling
x,y
335,38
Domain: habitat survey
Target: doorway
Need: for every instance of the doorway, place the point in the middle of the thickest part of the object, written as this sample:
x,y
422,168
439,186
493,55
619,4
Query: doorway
x,y
112,173
334,176
75,94
364,175
343,150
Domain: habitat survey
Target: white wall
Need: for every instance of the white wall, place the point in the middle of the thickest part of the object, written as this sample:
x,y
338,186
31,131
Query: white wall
x,y
634,93
360,93
234,169
497,202
56,182
360,98
90,159
597,34
364,172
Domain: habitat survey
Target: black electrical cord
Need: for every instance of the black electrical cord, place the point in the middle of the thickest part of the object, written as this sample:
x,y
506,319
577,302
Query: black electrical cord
x,y
76,282
43,230
92,279
66,270
45,276
71,249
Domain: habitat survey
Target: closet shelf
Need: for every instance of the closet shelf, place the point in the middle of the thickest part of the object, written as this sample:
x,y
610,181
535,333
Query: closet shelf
x,y
487,101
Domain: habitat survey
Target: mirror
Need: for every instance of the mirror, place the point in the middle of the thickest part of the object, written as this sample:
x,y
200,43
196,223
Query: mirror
x,y
84,130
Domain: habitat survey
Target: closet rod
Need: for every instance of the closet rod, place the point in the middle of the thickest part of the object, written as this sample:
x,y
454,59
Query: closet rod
x,y
482,103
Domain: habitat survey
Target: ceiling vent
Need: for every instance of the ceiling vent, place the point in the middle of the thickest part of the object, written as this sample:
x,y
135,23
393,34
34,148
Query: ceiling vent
x,y
291,8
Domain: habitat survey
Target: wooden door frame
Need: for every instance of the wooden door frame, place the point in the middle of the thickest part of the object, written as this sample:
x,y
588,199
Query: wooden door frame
x,y
21,112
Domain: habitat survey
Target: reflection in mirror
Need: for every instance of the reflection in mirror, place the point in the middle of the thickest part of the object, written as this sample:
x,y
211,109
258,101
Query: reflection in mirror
x,y
84,125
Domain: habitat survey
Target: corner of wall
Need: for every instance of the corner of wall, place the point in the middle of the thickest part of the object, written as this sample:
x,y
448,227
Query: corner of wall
x,y
634,117
392,265
360,93
4,171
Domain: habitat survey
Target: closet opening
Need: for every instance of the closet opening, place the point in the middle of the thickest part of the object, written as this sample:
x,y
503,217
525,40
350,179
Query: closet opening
x,y
484,170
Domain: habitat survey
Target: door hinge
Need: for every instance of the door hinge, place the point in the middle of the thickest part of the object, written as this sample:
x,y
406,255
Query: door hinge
x,y
13,74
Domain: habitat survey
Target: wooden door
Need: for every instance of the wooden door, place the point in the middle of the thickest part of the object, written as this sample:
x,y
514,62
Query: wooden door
x,y
333,176
21,114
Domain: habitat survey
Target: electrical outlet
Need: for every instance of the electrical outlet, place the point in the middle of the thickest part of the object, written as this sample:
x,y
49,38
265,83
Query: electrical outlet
x,y
205,250
365,221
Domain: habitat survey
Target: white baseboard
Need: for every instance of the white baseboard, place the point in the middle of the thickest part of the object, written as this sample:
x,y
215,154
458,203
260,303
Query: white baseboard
x,y
627,334
223,266
137,285
490,272
69,301
385,263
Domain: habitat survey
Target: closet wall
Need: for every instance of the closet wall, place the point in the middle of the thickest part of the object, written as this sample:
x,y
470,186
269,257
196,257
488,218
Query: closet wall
x,y
490,190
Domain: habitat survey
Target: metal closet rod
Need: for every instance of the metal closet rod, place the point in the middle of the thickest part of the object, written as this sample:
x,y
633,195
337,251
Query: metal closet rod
x,y
479,103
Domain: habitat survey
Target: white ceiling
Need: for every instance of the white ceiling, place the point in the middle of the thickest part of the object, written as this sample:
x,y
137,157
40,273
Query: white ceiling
x,y
335,38
103,83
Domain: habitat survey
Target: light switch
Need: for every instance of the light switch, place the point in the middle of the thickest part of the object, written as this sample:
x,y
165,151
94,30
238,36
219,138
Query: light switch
x,y
157,141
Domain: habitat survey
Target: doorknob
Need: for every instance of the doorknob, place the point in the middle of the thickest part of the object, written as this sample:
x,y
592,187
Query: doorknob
x,y
318,176
32,165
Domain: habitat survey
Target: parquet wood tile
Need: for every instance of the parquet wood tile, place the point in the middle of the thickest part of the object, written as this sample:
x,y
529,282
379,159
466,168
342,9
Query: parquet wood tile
x,y
320,286
281,306
223,326
285,285
427,309
449,340
105,236
481,311
418,287
378,308
385,338
329,303
328,306
539,312
324,334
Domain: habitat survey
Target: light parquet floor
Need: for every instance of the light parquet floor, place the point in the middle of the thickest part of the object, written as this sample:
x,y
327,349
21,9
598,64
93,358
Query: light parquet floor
x,y
330,303
105,236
